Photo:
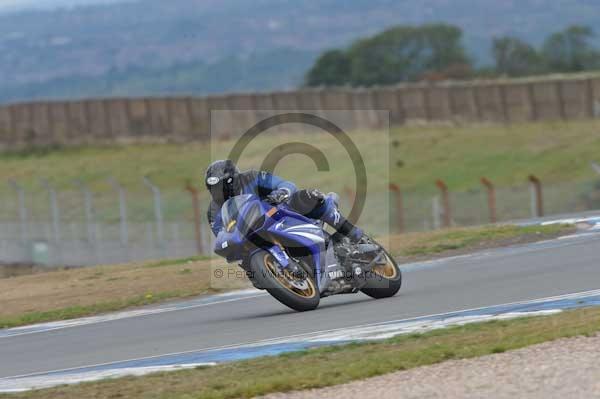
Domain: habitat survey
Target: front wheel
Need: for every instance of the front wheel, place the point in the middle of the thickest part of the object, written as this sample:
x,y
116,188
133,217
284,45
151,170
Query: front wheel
x,y
385,279
295,290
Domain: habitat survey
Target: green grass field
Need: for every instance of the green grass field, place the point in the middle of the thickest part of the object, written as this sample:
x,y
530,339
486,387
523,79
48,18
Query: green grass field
x,y
556,152
413,157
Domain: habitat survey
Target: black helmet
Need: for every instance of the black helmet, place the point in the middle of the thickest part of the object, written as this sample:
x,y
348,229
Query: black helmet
x,y
221,180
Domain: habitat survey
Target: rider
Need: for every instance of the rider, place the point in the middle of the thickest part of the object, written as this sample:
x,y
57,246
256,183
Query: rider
x,y
224,180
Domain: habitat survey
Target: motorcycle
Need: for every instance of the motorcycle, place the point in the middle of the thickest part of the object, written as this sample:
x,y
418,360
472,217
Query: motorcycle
x,y
296,260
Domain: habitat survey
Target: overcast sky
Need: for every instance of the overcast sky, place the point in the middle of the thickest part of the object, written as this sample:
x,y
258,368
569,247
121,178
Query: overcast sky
x,y
17,5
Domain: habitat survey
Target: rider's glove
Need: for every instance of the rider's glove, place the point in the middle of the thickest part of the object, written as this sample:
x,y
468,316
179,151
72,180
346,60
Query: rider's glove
x,y
278,196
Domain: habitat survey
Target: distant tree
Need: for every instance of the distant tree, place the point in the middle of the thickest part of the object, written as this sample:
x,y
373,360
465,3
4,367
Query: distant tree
x,y
406,53
403,53
571,50
514,57
332,68
443,48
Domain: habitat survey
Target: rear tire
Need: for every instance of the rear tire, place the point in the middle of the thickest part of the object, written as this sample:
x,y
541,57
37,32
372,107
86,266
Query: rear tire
x,y
386,282
265,270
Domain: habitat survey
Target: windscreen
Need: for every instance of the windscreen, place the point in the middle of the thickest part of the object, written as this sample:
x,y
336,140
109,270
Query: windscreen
x,y
231,208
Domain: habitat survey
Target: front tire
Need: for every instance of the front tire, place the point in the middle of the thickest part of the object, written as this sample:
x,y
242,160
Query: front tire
x,y
297,292
384,281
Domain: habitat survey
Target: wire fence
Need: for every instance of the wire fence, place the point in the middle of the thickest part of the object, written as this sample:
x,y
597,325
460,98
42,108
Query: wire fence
x,y
478,206
77,227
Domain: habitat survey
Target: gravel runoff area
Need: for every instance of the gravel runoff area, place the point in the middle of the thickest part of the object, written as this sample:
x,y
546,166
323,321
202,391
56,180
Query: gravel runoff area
x,y
566,368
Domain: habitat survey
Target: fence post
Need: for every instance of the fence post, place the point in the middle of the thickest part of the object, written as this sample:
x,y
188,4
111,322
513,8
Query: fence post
x,y
445,202
560,98
394,188
23,214
491,194
158,216
504,103
427,102
351,196
537,201
89,217
56,233
197,220
88,210
476,103
435,210
123,227
175,239
532,101
589,95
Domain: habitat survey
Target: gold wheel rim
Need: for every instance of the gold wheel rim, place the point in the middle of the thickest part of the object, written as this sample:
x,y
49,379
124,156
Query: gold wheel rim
x,y
284,279
388,270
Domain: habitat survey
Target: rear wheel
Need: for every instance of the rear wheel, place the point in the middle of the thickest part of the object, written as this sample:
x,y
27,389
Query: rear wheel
x,y
385,278
296,290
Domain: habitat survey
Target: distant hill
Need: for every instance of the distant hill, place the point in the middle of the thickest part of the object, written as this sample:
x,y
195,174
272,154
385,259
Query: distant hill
x,y
204,46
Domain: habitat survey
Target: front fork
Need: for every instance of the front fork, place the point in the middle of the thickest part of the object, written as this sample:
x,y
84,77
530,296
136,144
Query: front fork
x,y
280,255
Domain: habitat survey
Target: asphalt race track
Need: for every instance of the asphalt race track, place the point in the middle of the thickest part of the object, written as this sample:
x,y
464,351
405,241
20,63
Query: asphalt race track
x,y
550,268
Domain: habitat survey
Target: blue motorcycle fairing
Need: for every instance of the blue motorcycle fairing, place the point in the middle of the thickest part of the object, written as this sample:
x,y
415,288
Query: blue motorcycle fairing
x,y
227,245
291,226
284,226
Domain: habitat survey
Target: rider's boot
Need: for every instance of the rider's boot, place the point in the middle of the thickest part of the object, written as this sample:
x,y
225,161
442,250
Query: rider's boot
x,y
343,226
334,218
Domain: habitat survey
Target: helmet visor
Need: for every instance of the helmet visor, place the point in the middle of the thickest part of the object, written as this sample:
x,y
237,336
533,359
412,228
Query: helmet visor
x,y
221,189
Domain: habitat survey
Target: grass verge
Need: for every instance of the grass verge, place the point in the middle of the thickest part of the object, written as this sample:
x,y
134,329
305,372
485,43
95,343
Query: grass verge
x,y
72,293
73,312
62,294
449,242
338,364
